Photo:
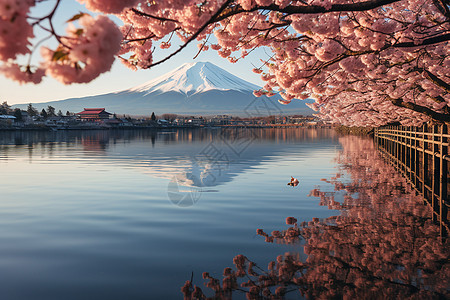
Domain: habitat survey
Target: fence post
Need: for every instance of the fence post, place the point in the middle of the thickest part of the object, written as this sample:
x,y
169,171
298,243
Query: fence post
x,y
416,157
398,147
409,152
443,179
401,146
424,161
434,185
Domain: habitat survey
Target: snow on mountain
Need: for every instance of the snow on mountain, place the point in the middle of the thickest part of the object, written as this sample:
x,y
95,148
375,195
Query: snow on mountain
x,y
193,78
200,88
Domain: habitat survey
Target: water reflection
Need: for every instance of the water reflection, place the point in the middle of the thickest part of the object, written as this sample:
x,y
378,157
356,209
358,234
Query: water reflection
x,y
383,244
86,215
196,160
167,136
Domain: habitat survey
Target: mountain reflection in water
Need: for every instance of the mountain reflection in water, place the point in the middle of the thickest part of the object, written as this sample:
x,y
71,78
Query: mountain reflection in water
x,y
381,245
195,157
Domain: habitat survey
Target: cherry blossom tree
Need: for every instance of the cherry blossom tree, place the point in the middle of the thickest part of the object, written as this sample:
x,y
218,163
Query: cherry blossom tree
x,y
365,62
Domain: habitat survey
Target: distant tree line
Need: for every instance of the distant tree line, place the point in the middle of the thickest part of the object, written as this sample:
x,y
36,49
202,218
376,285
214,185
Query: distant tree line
x,y
5,109
50,111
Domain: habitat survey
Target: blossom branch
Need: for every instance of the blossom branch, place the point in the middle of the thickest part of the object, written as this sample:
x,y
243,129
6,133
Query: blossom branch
x,y
308,9
439,82
422,109
194,36
143,14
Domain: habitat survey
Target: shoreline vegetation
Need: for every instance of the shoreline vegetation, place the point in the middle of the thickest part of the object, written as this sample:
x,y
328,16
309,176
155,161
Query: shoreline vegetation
x,y
99,119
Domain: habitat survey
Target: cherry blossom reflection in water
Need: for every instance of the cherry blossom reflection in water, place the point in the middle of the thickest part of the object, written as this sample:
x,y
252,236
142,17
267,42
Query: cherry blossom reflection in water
x,y
383,244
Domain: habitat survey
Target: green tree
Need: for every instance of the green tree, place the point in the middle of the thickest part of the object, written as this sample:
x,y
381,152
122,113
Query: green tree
x,y
153,117
51,111
44,114
68,113
60,114
32,111
18,114
5,109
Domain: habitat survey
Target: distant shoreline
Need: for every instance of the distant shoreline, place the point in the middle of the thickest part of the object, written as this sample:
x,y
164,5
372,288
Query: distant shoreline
x,y
50,128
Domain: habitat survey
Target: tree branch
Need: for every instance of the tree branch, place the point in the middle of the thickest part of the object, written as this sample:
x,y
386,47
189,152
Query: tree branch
x,y
443,7
436,80
143,14
308,9
139,39
430,41
422,109
195,35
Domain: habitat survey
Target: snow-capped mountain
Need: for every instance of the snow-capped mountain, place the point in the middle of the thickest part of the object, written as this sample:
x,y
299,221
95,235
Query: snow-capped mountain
x,y
193,78
200,88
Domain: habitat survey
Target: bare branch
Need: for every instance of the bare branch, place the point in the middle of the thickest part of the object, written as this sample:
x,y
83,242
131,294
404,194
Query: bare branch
x,y
195,35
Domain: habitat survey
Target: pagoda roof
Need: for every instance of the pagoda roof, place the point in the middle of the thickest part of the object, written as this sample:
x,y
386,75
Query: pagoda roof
x,y
90,111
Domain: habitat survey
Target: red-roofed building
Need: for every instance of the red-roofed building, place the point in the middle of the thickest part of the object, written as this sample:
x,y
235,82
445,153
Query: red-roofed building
x,y
94,114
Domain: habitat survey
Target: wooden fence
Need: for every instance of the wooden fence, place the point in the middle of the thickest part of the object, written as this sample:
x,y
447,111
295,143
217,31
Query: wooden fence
x,y
421,154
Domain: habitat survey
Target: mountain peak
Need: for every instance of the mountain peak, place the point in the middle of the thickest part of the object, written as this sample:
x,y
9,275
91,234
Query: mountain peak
x,y
193,78
199,88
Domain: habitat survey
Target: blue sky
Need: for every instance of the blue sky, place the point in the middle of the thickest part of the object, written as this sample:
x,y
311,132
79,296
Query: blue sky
x,y
120,77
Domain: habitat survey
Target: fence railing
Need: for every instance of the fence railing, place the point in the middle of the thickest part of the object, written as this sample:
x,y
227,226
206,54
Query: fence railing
x,y
421,154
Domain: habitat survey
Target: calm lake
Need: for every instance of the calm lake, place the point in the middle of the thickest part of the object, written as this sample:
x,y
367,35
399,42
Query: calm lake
x,y
135,214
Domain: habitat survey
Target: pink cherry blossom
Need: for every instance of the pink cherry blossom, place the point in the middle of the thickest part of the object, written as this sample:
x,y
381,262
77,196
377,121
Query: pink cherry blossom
x,y
110,6
22,74
14,28
364,62
89,53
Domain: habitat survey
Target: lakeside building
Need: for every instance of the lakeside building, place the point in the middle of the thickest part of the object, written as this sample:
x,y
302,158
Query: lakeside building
x,y
6,120
95,118
188,121
163,122
94,114
60,121
7,117
220,120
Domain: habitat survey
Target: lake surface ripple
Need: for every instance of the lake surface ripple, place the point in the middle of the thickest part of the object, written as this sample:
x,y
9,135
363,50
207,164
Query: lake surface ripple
x,y
135,214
